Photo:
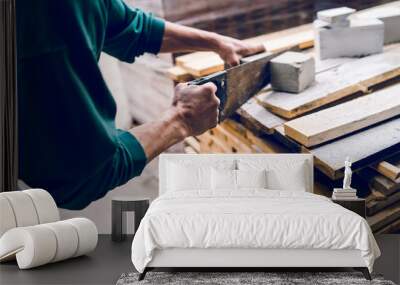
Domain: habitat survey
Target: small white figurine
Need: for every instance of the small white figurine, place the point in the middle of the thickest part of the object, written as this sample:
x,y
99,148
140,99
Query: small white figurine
x,y
347,174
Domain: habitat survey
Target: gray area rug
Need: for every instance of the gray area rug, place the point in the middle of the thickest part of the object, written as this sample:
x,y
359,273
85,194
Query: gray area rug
x,y
243,278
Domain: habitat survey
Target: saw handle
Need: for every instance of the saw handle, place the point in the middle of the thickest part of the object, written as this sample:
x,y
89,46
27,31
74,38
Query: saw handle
x,y
219,80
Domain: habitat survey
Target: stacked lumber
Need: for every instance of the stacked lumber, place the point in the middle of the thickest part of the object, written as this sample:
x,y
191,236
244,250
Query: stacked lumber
x,y
352,110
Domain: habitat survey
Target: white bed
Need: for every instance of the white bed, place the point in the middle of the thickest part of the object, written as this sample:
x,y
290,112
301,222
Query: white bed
x,y
280,225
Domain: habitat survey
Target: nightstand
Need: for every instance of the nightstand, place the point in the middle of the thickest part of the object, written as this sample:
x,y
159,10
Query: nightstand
x,y
355,205
122,204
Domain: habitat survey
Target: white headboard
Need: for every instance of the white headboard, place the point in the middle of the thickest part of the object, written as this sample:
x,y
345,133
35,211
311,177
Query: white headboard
x,y
164,158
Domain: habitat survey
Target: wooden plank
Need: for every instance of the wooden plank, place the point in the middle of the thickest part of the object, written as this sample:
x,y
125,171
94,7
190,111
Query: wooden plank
x,y
389,168
209,145
375,196
204,66
390,229
364,147
337,121
384,218
193,143
205,63
264,144
231,140
257,118
379,182
183,59
291,144
189,150
336,83
375,206
179,74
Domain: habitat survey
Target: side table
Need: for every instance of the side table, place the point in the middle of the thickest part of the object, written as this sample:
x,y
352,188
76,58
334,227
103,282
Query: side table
x,y
356,205
121,204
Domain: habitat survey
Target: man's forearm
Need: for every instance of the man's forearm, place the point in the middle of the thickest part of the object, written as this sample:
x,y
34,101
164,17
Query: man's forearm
x,y
157,136
178,38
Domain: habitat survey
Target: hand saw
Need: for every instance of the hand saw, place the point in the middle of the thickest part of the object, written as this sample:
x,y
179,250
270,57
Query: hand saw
x,y
238,84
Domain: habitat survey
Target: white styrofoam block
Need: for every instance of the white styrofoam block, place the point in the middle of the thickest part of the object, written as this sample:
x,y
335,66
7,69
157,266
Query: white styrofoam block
x,y
45,206
335,15
390,16
32,246
362,37
7,218
23,207
87,235
292,72
67,239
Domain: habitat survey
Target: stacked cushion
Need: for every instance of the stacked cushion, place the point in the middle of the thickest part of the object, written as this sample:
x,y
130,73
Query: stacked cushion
x,y
31,232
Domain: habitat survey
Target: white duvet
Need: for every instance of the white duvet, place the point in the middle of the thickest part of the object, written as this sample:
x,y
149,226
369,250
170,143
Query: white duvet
x,y
250,219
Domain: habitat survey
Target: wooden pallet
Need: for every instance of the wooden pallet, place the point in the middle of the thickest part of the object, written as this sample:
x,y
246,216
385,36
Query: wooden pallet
x,y
232,137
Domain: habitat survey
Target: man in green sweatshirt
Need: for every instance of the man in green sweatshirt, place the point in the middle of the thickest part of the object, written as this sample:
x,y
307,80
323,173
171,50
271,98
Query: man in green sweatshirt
x,y
68,142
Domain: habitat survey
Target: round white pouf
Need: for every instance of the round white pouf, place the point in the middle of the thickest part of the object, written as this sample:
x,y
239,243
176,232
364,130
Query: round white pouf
x,y
46,208
7,218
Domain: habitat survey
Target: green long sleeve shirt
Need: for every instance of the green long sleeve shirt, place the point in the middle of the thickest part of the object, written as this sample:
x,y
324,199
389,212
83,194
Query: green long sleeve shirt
x,y
68,142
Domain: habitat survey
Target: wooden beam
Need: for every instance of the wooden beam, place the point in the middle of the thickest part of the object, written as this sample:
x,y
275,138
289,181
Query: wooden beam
x,y
263,144
257,118
181,60
375,206
334,84
384,218
179,74
204,66
389,168
364,147
193,143
209,145
390,229
379,182
204,63
340,120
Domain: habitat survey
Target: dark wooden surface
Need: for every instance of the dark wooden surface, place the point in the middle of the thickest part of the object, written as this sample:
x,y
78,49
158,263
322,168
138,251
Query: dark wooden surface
x,y
356,206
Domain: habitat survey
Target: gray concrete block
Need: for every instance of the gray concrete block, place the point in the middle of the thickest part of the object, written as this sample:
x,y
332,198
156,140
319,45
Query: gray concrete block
x,y
390,16
335,16
292,72
362,37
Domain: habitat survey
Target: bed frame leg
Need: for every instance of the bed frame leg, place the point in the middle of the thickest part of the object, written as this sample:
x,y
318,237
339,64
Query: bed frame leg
x,y
364,271
143,274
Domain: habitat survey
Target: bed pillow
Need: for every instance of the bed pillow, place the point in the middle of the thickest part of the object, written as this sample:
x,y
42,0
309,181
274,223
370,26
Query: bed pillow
x,y
185,175
231,180
223,179
281,174
185,178
251,178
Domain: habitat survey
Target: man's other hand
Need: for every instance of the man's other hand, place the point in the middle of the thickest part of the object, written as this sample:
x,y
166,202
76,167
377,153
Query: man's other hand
x,y
196,107
232,50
